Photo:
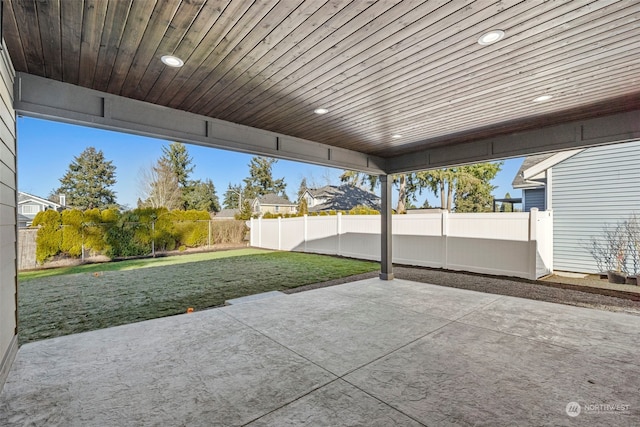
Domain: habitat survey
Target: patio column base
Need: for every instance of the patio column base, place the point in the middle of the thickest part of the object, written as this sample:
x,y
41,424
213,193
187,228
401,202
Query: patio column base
x,y
386,276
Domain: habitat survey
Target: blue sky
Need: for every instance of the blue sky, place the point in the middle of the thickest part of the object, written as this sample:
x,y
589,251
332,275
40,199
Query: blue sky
x,y
45,150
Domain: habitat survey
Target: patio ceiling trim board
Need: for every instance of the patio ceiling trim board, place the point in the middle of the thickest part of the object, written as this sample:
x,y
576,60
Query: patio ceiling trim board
x,y
611,129
49,99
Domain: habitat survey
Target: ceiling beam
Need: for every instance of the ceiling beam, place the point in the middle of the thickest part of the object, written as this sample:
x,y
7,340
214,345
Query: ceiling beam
x,y
50,99
610,129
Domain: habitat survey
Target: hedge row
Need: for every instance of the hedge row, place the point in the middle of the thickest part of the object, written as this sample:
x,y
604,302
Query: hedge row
x,y
132,233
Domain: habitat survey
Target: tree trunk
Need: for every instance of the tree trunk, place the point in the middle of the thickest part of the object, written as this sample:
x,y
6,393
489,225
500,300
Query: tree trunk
x,y
442,201
450,196
402,195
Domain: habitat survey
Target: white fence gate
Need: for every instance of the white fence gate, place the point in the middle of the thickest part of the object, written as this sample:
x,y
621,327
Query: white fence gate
x,y
509,244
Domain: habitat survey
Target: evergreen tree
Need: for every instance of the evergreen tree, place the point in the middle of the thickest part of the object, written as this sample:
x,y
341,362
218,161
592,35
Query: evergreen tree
x,y
438,181
301,188
406,184
195,194
466,187
506,207
303,207
88,181
232,196
178,158
201,196
245,212
473,187
260,180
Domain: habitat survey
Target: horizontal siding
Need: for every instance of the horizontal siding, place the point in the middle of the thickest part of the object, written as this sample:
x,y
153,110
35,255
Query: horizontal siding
x,y
596,187
8,284
534,198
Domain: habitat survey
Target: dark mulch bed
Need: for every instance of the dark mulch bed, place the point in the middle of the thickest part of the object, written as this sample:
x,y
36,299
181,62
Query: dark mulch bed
x,y
570,294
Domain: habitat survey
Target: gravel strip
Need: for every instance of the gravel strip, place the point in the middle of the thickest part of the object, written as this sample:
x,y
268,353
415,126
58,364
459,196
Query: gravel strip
x,y
561,293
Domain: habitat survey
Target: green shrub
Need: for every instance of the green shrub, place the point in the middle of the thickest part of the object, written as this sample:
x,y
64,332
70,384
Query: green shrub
x,y
191,227
162,230
96,224
110,215
49,237
128,234
72,232
271,215
363,210
124,237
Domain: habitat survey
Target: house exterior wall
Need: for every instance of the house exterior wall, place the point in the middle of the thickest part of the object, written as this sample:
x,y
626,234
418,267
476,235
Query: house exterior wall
x,y
311,201
259,208
8,229
595,187
277,209
29,206
30,209
534,198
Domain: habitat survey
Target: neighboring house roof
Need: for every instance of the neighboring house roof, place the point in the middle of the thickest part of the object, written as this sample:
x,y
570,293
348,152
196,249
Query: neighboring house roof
x,y
342,198
26,197
23,218
531,172
227,213
274,199
519,181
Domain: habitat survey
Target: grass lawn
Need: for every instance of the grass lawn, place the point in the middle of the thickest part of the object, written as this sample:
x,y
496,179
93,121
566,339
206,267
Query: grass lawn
x,y
78,299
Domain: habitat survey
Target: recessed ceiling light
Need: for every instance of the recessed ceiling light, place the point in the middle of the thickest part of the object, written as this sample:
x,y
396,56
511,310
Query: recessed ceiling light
x,y
172,61
396,136
543,98
491,37
321,111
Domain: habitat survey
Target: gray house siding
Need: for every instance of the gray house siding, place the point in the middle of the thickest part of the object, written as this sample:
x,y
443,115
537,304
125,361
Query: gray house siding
x,y
8,230
534,198
598,186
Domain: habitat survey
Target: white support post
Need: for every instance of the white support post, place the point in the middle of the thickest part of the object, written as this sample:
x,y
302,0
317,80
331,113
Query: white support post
x,y
251,233
260,232
306,230
548,190
445,239
339,231
279,233
533,216
533,243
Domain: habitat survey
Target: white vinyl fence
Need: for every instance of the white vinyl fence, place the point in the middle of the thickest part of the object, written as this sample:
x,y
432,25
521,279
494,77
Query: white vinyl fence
x,y
509,244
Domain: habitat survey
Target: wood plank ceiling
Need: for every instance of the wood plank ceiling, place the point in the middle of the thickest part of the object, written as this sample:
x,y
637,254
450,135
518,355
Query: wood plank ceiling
x,y
382,68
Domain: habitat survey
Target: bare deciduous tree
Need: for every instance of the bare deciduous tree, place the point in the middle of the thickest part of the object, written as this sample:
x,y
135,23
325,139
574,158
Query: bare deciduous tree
x,y
160,187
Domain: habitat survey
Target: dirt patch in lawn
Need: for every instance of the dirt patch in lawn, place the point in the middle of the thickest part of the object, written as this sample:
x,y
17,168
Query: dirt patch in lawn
x,y
548,290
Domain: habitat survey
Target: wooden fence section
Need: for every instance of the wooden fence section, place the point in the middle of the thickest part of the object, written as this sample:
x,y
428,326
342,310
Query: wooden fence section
x,y
509,244
27,248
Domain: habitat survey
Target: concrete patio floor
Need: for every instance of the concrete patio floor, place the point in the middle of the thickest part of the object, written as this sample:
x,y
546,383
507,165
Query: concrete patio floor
x,y
368,353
